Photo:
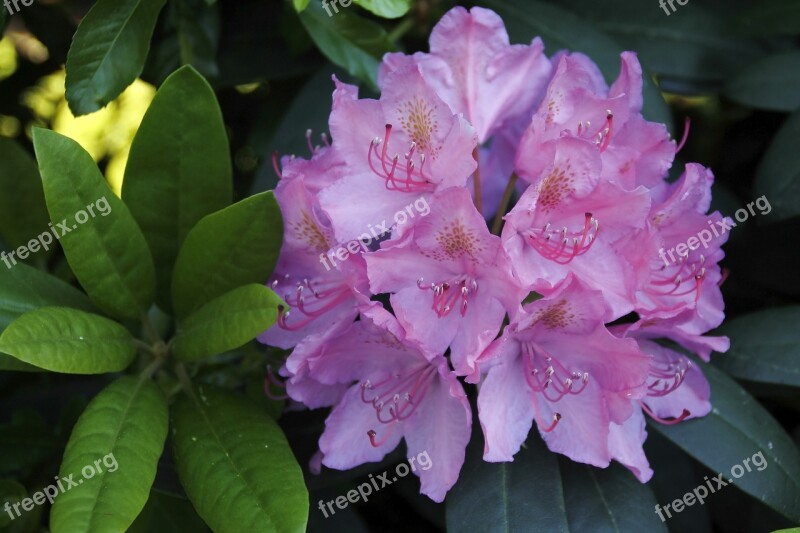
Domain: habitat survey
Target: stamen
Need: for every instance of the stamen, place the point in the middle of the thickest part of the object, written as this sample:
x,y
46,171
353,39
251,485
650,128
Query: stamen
x,y
270,379
686,123
450,294
311,146
372,434
605,134
415,179
276,165
569,245
399,395
546,375
311,298
665,421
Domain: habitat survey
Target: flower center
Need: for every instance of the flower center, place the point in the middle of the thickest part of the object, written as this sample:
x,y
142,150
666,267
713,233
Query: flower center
x,y
667,373
449,295
562,246
311,298
396,398
670,280
387,168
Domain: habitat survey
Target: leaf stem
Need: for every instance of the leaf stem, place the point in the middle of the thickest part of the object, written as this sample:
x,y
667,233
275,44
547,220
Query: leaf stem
x,y
144,347
498,218
150,329
401,29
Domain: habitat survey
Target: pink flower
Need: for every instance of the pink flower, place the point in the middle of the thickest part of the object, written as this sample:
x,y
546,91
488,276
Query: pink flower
x,y
568,220
394,392
677,257
320,297
557,364
424,148
474,69
450,280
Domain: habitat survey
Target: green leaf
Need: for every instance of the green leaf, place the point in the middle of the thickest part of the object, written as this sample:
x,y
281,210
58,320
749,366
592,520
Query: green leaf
x,y
771,17
168,514
388,9
227,322
765,346
694,46
778,174
179,169
121,434
108,51
350,41
198,24
772,83
498,496
11,492
24,288
236,465
69,341
562,29
23,214
607,499
746,429
12,364
226,250
26,442
300,5
108,252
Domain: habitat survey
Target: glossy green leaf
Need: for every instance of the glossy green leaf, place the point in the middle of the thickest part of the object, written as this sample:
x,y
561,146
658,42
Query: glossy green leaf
x,y
692,43
179,169
168,514
108,51
23,214
227,322
112,453
236,465
765,346
778,174
772,83
12,364
226,250
737,429
107,252
771,17
607,499
68,341
499,496
350,41
198,24
24,288
388,9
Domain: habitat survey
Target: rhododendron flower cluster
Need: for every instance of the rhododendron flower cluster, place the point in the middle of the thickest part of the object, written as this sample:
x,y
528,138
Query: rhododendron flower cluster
x,y
549,207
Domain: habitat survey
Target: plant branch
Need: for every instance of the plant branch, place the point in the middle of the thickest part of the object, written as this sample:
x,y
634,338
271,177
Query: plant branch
x,y
498,218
